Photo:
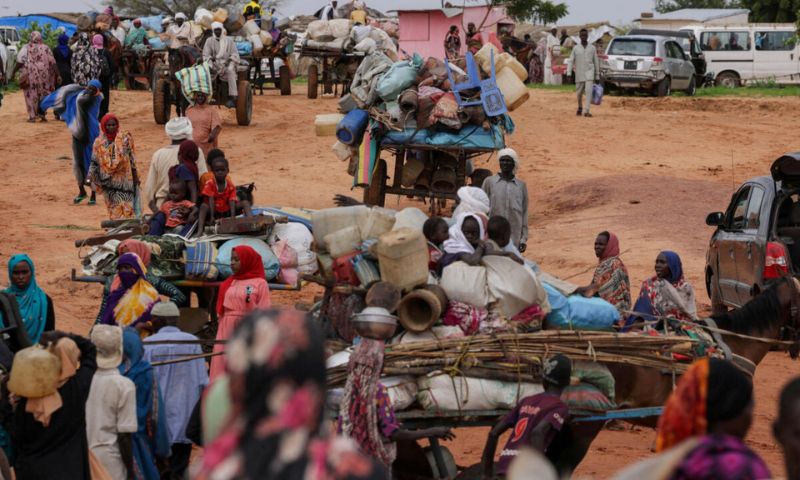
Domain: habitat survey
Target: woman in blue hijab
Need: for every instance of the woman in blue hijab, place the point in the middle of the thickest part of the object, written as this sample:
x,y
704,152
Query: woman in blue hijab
x,y
667,294
151,440
35,307
63,56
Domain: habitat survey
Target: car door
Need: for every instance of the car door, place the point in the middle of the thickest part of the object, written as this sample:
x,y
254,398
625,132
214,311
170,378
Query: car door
x,y
680,77
775,55
749,246
729,233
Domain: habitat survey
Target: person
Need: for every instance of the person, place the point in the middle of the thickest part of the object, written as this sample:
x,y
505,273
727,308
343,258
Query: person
x,y
206,122
113,170
107,69
508,196
87,62
714,43
328,12
701,432
366,414
252,11
48,435
359,13
35,306
465,242
472,200
552,50
436,232
180,32
452,43
280,436
116,30
131,299
667,294
586,67
78,106
209,175
181,383
136,36
564,37
785,429
187,169
177,214
498,231
111,406
63,57
151,439
610,281
221,52
474,38
39,69
156,187
733,43
536,420
244,291
219,196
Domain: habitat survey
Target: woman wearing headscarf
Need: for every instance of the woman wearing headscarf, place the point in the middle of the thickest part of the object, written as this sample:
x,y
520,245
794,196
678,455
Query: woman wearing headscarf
x,y
129,302
49,434
187,168
39,74
87,62
610,281
276,373
63,56
472,200
667,294
78,107
701,432
151,440
244,291
466,242
452,43
35,306
107,69
113,170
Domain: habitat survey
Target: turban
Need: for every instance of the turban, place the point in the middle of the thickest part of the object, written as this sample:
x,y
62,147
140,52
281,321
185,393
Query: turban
x,y
472,200
179,128
509,152
180,16
217,25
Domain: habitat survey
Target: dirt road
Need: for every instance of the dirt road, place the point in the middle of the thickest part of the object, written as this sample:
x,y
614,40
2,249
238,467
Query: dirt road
x,y
647,169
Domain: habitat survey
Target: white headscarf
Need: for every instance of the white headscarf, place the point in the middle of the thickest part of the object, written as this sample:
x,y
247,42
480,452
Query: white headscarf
x,y
509,152
458,243
217,25
178,128
180,15
472,200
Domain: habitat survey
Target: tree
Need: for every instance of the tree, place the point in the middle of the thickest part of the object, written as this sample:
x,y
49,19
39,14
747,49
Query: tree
x,y
537,11
664,6
49,34
772,11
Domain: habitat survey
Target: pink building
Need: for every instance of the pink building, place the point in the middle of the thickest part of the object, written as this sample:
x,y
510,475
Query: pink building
x,y
424,24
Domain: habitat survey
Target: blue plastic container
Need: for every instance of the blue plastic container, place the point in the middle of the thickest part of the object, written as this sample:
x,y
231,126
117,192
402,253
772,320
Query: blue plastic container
x,y
351,128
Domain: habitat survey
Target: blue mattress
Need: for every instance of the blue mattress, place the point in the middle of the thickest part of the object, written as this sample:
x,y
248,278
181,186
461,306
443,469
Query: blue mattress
x,y
471,136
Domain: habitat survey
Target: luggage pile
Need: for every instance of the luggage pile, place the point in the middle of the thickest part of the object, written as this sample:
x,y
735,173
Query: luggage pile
x,y
342,36
270,38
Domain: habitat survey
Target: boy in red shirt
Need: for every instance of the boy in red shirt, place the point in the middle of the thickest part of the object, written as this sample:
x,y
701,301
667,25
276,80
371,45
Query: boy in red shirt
x,y
177,214
219,196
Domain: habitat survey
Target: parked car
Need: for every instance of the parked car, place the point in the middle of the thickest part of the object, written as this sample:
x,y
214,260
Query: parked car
x,y
648,63
757,239
690,45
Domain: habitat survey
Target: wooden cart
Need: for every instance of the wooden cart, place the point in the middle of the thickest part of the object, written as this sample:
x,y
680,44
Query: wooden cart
x,y
332,70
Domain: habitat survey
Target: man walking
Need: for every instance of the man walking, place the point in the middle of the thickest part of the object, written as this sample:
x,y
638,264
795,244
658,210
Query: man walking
x,y
181,383
586,66
508,197
221,52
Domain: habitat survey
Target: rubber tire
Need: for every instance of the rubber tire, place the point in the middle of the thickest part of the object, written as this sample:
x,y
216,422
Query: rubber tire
x,y
161,104
284,77
244,104
692,88
664,87
313,79
728,79
375,194
717,306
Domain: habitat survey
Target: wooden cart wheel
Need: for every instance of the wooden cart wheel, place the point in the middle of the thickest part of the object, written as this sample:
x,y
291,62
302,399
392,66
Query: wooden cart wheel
x,y
244,103
285,80
161,104
313,78
375,194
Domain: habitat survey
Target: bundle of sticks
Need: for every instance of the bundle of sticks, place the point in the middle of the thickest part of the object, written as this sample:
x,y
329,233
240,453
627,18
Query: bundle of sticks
x,y
518,357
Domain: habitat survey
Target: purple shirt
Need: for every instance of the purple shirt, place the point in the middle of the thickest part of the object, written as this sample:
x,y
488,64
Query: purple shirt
x,y
721,456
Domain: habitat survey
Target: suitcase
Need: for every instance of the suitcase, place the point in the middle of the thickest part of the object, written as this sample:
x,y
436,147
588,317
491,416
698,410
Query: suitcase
x,y
256,225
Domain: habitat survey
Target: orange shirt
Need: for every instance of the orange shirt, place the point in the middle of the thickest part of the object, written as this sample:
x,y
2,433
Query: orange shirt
x,y
221,199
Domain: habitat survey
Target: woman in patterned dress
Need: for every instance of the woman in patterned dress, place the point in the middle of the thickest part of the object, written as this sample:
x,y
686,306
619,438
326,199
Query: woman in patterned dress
x,y
87,62
38,64
610,281
667,294
113,170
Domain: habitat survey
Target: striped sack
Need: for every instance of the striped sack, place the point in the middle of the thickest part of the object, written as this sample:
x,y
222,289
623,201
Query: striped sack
x,y
196,78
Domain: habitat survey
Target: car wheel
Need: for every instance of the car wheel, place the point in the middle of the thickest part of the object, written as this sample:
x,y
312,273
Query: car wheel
x,y
718,307
664,87
727,79
692,88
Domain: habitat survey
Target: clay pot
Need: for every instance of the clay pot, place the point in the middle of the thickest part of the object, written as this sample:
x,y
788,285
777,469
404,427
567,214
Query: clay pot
x,y
34,373
421,308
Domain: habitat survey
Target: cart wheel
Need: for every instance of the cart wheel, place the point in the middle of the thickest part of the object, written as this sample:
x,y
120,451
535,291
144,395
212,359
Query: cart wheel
x,y
244,104
375,194
161,105
286,80
312,81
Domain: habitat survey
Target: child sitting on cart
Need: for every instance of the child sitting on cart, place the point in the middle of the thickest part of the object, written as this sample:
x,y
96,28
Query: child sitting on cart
x,y
219,196
536,421
177,214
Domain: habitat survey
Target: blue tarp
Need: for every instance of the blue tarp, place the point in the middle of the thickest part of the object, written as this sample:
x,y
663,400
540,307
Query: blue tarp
x,y
26,21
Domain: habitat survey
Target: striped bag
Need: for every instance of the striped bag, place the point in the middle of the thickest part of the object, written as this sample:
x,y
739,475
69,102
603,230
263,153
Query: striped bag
x,y
196,78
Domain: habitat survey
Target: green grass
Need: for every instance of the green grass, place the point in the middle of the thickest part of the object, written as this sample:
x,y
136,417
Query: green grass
x,y
557,88
769,90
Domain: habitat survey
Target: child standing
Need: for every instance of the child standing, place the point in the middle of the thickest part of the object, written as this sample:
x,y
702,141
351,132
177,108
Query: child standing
x,y
219,196
177,214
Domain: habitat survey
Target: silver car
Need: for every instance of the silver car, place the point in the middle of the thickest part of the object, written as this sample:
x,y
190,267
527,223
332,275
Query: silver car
x,y
648,63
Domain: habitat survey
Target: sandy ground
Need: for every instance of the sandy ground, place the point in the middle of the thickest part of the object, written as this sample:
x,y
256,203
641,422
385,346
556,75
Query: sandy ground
x,y
647,169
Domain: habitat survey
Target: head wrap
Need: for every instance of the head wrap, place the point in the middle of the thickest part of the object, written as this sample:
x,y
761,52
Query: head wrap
x,y
250,266
36,37
130,303
675,266
109,10
472,200
32,300
104,121
137,22
178,128
511,153
711,391
63,45
458,243
96,84
217,25
188,153
97,41
180,16
42,408
141,249
557,370
612,247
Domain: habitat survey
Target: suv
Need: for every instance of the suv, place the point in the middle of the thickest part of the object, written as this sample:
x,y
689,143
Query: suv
x,y
758,238
649,63
691,46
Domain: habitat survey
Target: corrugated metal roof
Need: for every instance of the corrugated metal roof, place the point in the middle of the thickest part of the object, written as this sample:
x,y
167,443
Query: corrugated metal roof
x,y
701,14
421,5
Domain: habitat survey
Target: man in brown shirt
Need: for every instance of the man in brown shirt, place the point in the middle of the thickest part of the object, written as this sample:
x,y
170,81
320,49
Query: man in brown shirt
x,y
206,123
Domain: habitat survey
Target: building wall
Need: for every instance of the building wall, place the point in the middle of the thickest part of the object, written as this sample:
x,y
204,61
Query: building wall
x,y
655,23
423,32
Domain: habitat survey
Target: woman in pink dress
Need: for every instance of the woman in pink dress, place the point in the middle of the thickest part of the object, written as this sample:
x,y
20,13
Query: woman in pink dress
x,y
244,291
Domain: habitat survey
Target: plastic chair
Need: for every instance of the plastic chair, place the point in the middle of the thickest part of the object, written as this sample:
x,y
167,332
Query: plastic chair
x,y
490,95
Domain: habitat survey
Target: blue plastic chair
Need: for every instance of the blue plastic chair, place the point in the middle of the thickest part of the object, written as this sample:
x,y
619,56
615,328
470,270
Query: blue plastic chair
x,y
490,95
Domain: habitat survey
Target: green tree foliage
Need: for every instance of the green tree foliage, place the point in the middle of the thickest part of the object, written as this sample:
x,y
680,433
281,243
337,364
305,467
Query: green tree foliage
x,y
538,11
772,11
49,34
664,6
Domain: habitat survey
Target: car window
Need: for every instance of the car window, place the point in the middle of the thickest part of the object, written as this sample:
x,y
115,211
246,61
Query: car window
x,y
724,41
632,46
753,220
674,50
775,41
737,213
